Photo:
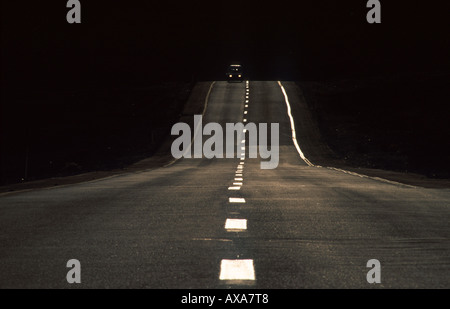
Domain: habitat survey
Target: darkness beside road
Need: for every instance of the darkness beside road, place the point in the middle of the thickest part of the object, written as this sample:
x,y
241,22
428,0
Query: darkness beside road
x,y
103,94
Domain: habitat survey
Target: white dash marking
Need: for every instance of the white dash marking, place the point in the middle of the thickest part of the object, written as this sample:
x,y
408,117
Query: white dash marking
x,y
237,270
236,200
236,224
234,188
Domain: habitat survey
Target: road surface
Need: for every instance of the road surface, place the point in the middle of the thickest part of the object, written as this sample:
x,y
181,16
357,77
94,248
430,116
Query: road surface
x,y
301,226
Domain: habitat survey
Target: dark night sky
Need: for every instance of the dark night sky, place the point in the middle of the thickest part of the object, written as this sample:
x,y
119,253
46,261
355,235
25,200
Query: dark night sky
x,y
143,41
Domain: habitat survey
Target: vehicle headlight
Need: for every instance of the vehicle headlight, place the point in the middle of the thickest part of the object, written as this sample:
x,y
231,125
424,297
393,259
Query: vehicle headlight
x,y
239,75
230,75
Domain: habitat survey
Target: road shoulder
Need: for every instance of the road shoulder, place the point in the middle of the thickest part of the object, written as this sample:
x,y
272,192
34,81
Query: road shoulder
x,y
320,154
194,105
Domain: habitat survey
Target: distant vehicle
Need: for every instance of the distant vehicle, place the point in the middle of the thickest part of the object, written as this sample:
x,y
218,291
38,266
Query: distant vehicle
x,y
235,73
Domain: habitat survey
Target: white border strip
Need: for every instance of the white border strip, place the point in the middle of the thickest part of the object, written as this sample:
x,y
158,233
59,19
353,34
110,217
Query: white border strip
x,y
294,135
294,139
372,177
198,125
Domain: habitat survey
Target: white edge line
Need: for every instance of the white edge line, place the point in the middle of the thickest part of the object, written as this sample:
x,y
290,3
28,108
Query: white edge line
x,y
371,177
294,139
196,129
112,176
294,136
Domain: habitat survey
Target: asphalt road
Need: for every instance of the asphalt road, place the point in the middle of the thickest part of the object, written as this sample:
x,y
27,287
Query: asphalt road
x,y
306,226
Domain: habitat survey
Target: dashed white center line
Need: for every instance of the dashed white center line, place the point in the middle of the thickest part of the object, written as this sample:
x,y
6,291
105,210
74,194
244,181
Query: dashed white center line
x,y
236,200
234,188
237,270
236,224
